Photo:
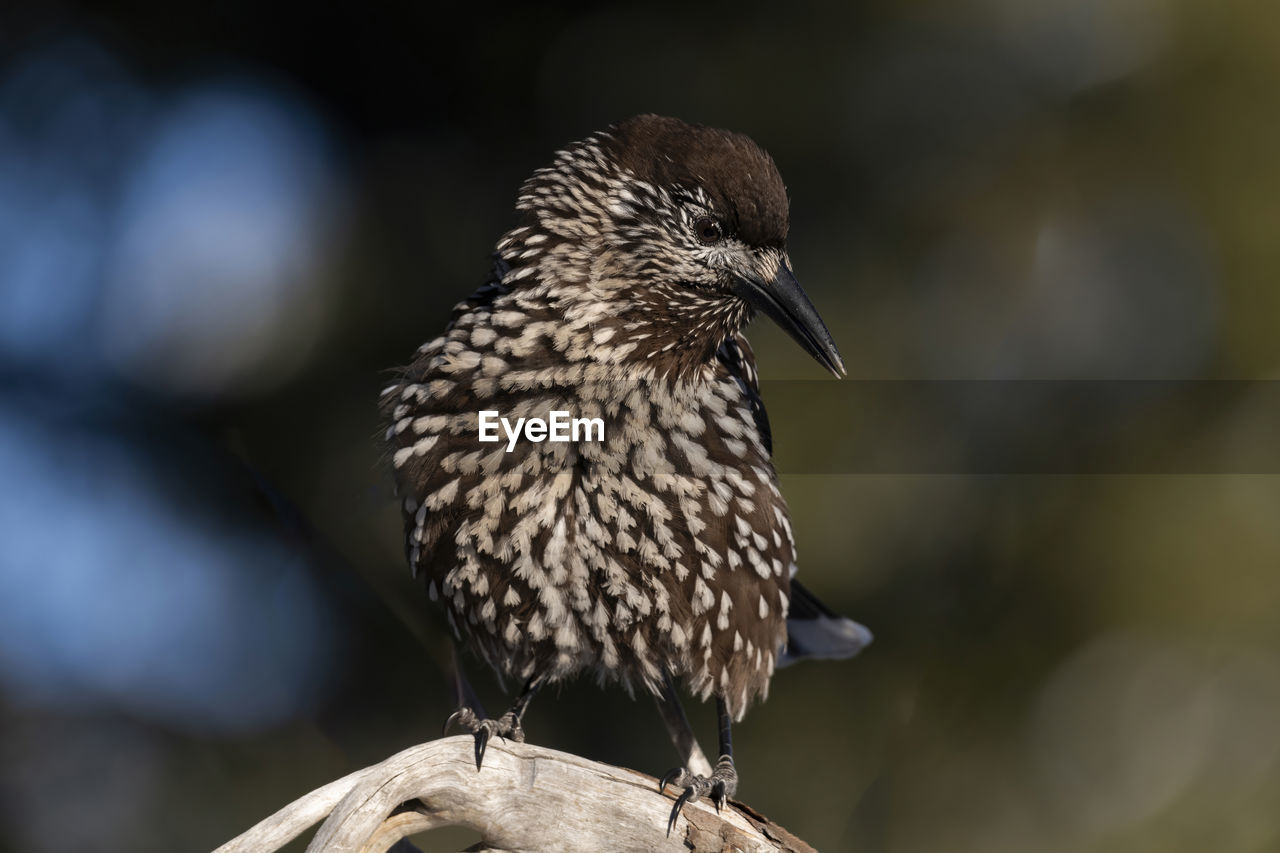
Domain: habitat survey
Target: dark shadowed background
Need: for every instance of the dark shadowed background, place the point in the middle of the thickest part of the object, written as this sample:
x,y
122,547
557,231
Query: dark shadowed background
x,y
221,223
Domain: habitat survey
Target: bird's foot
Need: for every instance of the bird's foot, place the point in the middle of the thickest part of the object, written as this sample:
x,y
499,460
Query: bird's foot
x,y
506,727
720,786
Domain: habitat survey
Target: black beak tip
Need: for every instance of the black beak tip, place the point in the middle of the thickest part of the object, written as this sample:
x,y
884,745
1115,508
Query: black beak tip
x,y
788,306
837,365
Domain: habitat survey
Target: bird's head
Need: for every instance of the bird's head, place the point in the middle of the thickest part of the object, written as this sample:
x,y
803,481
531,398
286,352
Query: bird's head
x,y
669,233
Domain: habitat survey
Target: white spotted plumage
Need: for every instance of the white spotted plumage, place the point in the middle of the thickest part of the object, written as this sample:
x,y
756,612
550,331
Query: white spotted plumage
x,y
657,550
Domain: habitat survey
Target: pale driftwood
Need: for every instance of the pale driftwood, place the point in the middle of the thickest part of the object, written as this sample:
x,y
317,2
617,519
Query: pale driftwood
x,y
527,798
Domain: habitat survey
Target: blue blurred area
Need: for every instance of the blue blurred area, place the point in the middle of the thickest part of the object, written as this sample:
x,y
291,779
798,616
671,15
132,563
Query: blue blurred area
x,y
175,239
68,117
116,593
217,275
155,247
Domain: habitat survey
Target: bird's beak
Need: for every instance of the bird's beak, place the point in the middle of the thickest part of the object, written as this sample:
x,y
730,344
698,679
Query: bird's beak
x,y
784,302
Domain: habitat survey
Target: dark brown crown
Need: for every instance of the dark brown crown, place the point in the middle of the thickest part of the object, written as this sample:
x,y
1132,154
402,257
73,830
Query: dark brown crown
x,y
738,175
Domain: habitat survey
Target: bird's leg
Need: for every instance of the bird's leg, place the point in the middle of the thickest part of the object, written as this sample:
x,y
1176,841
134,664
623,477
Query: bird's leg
x,y
720,785
463,695
682,737
506,726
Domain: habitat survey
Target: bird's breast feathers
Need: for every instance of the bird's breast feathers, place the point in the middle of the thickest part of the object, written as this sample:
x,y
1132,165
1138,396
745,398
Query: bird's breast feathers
x,y
607,547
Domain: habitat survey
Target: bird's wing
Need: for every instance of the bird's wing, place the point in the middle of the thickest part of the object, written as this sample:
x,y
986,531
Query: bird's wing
x,y
487,292
736,355
422,474
813,629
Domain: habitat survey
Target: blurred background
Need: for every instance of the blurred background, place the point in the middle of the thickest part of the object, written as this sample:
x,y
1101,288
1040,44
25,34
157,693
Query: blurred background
x,y
1044,235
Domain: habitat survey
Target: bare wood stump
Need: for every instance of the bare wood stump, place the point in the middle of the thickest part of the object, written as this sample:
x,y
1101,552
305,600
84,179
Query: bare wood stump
x,y
527,798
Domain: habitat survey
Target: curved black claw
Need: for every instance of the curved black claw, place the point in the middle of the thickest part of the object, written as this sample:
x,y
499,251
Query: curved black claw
x,y
456,716
721,785
670,777
675,810
482,742
718,796
507,726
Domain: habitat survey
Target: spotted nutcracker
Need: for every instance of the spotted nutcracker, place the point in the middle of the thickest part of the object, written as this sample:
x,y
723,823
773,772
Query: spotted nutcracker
x,y
664,550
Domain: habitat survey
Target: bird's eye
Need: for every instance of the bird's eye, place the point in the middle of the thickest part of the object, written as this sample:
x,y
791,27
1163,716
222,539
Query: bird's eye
x,y
707,229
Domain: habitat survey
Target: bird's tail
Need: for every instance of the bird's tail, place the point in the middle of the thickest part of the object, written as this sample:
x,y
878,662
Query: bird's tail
x,y
814,631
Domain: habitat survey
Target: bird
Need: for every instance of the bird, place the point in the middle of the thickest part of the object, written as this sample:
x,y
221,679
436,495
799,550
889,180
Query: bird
x,y
653,546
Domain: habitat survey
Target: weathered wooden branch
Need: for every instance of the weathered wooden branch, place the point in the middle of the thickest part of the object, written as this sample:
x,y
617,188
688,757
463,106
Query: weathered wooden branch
x,y
527,798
